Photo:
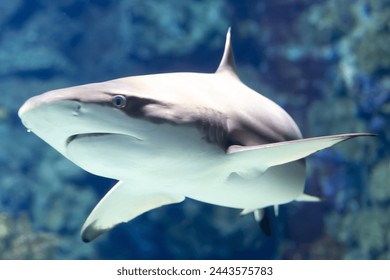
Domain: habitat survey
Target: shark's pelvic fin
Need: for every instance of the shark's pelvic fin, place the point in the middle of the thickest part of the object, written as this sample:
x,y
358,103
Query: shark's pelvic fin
x,y
246,211
121,204
259,214
308,198
283,152
276,210
227,64
262,216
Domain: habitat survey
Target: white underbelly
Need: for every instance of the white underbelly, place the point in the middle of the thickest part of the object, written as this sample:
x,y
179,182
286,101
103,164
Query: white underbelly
x,y
198,172
278,185
126,158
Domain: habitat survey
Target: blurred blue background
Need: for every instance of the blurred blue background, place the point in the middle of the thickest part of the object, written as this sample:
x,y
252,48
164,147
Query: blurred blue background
x,y
327,62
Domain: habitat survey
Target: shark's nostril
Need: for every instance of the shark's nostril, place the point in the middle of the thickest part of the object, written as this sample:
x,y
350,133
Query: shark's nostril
x,y
77,110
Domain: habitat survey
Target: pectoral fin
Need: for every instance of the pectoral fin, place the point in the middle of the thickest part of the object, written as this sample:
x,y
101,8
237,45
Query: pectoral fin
x,y
121,204
283,152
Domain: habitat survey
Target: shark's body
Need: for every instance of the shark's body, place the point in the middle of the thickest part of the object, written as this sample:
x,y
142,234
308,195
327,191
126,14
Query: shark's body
x,y
170,136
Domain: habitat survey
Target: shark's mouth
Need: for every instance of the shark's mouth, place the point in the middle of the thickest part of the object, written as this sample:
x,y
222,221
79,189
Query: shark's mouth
x,y
84,135
70,139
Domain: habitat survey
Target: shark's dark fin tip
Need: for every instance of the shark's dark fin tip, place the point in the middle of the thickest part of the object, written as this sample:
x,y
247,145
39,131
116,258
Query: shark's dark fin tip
x,y
90,233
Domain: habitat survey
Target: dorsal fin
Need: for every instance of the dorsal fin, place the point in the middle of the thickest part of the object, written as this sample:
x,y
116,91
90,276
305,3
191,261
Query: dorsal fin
x,y
227,63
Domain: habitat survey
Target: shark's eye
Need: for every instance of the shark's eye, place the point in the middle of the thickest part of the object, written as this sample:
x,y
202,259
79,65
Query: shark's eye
x,y
119,101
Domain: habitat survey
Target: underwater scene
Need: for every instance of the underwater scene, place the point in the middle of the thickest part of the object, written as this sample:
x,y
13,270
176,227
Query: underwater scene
x,y
326,62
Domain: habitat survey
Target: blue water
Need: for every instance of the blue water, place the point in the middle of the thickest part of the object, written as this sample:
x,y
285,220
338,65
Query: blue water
x,y
327,62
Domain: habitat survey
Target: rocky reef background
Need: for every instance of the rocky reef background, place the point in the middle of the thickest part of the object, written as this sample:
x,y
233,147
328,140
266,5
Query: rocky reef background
x,y
327,62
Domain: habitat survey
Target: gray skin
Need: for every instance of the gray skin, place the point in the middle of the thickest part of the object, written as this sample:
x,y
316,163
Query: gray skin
x,y
166,137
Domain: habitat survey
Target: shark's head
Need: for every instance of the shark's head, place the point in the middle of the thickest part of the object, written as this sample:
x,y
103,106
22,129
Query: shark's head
x,y
124,121
91,113
61,115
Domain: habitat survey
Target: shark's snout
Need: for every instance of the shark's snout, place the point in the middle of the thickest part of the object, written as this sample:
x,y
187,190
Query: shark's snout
x,y
69,98
28,105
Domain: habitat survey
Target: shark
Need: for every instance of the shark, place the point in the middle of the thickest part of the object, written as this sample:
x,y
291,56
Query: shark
x,y
170,136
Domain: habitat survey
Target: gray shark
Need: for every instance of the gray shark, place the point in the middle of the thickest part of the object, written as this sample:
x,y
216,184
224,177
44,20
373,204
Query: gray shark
x,y
169,136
